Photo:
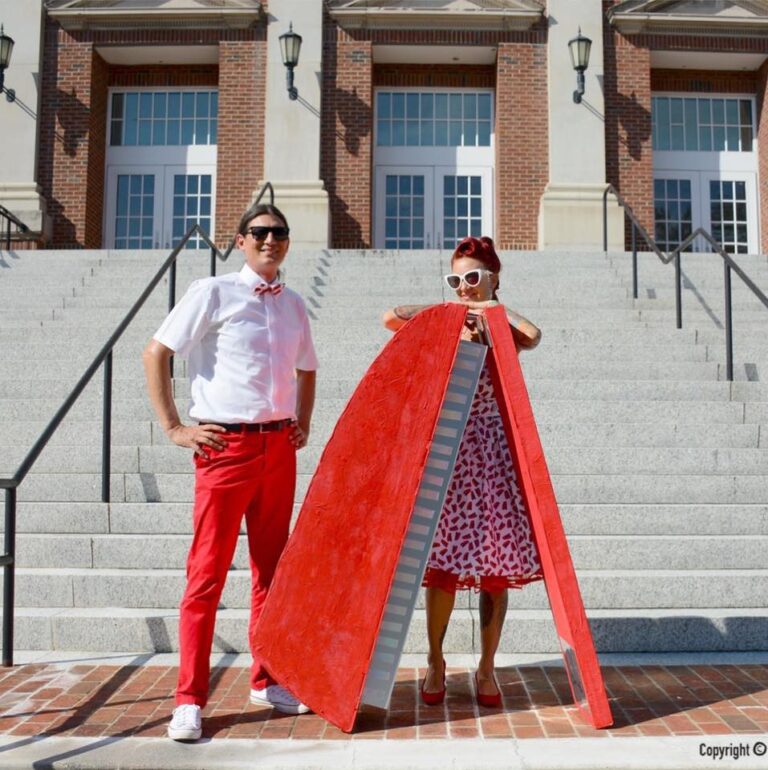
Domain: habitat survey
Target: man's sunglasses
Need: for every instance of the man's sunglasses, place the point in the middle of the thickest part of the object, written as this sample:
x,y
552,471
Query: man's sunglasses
x,y
471,278
261,233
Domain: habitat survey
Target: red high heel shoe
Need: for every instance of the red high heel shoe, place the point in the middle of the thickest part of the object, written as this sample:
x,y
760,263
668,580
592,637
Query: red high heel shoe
x,y
433,698
489,701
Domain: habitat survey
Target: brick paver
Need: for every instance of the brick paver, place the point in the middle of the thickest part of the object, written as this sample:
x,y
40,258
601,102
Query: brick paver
x,y
123,701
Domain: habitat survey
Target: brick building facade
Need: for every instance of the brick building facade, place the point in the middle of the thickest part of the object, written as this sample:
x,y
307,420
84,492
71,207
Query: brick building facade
x,y
675,93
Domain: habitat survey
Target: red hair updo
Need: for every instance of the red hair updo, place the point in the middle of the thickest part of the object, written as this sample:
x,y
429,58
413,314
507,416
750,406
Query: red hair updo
x,y
480,249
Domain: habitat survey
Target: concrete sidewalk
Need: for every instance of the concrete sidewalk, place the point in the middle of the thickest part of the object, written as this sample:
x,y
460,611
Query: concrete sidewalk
x,y
671,711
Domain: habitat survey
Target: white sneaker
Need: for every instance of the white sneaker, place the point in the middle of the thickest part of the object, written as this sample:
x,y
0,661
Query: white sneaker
x,y
186,724
279,698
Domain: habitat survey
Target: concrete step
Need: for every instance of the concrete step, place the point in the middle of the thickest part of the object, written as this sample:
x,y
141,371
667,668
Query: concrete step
x,y
525,631
578,519
584,488
328,409
600,589
108,551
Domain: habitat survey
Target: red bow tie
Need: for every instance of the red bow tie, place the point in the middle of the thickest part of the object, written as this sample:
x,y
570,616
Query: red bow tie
x,y
269,288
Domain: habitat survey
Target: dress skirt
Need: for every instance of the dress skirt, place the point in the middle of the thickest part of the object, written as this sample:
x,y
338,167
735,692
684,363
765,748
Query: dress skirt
x,y
483,539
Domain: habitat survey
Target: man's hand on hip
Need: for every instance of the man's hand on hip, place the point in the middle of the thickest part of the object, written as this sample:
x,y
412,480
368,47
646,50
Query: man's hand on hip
x,y
299,436
198,437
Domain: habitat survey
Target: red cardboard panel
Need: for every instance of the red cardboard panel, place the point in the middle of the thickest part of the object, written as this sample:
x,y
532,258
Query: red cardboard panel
x,y
539,496
320,622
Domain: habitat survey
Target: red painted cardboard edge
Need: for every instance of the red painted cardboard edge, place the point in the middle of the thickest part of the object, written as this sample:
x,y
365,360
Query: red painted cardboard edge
x,y
536,486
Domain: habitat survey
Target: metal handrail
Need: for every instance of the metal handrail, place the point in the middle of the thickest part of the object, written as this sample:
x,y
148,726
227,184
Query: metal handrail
x,y
717,248
104,356
11,219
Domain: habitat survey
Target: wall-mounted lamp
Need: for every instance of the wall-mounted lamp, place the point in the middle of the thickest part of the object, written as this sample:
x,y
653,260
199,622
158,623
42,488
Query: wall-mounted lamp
x,y
290,45
579,47
6,48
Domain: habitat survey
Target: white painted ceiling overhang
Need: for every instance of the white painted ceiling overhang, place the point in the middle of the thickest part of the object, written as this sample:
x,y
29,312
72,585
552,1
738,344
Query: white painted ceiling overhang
x,y
692,17
436,14
707,60
195,14
434,54
135,55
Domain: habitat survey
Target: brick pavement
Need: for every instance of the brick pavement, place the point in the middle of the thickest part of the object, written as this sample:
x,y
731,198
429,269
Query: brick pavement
x,y
79,700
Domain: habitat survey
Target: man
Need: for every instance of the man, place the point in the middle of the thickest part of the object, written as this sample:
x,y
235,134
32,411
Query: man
x,y
252,369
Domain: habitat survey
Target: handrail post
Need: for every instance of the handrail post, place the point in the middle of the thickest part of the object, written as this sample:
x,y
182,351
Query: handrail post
x,y
106,435
8,236
678,291
213,262
728,324
634,260
605,220
9,573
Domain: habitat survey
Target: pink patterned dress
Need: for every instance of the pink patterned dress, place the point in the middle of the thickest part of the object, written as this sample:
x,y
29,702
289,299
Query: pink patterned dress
x,y
483,538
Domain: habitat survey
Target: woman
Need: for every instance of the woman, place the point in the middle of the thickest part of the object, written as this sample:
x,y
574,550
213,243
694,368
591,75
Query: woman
x,y
483,540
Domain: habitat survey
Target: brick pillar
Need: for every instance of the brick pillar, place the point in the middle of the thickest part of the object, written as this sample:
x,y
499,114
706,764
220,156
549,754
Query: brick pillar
x,y
72,139
762,161
522,167
629,152
97,147
347,136
240,159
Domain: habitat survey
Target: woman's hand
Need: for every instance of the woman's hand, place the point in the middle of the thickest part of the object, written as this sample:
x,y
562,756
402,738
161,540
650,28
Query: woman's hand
x,y
474,305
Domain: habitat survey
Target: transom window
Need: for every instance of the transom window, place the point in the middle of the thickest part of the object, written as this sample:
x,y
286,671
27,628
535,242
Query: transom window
x,y
160,118
437,119
697,124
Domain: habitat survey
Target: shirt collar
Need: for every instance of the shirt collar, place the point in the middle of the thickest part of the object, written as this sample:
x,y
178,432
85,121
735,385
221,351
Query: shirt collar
x,y
252,279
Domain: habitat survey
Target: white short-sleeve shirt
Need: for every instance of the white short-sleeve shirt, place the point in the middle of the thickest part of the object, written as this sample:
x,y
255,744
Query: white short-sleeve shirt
x,y
242,348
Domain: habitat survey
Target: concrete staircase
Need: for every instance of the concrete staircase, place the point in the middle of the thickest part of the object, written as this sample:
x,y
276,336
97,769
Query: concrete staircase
x,y
659,464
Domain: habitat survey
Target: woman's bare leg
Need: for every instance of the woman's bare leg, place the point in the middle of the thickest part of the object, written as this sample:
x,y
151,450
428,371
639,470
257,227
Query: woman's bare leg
x,y
439,607
493,608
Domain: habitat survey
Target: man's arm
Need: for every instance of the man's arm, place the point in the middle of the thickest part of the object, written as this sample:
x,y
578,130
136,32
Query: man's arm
x,y
156,359
305,403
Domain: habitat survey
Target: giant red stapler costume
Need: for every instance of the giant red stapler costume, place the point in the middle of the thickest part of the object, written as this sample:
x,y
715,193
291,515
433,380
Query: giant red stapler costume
x,y
338,611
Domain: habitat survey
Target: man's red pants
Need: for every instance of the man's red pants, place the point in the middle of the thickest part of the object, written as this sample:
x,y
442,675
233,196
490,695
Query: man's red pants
x,y
254,475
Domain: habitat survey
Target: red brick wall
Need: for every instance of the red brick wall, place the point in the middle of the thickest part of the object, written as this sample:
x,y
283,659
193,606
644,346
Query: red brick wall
x,y
65,119
346,136
159,76
522,157
628,152
762,143
433,76
242,96
704,81
75,82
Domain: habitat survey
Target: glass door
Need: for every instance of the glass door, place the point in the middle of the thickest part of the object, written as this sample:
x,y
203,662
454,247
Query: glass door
x,y
152,208
723,203
460,204
729,205
404,207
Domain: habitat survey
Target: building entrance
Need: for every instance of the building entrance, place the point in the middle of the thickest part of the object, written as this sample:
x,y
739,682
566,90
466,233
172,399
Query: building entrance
x,y
705,171
433,167
161,167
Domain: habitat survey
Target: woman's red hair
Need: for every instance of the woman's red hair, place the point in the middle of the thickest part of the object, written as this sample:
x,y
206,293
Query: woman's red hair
x,y
480,249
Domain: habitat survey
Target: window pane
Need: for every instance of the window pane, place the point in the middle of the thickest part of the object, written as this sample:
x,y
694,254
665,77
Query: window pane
x,y
441,105
384,105
412,106
484,133
484,106
383,135
427,105
398,106
160,105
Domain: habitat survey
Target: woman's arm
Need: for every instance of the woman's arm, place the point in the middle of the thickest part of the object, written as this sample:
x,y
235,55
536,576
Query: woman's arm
x,y
526,334
397,317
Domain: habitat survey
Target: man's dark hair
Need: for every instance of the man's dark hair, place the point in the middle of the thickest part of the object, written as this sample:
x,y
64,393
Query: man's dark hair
x,y
258,210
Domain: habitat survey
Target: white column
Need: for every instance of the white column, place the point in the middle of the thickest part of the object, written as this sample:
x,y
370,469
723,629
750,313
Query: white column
x,y
292,130
19,191
571,209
